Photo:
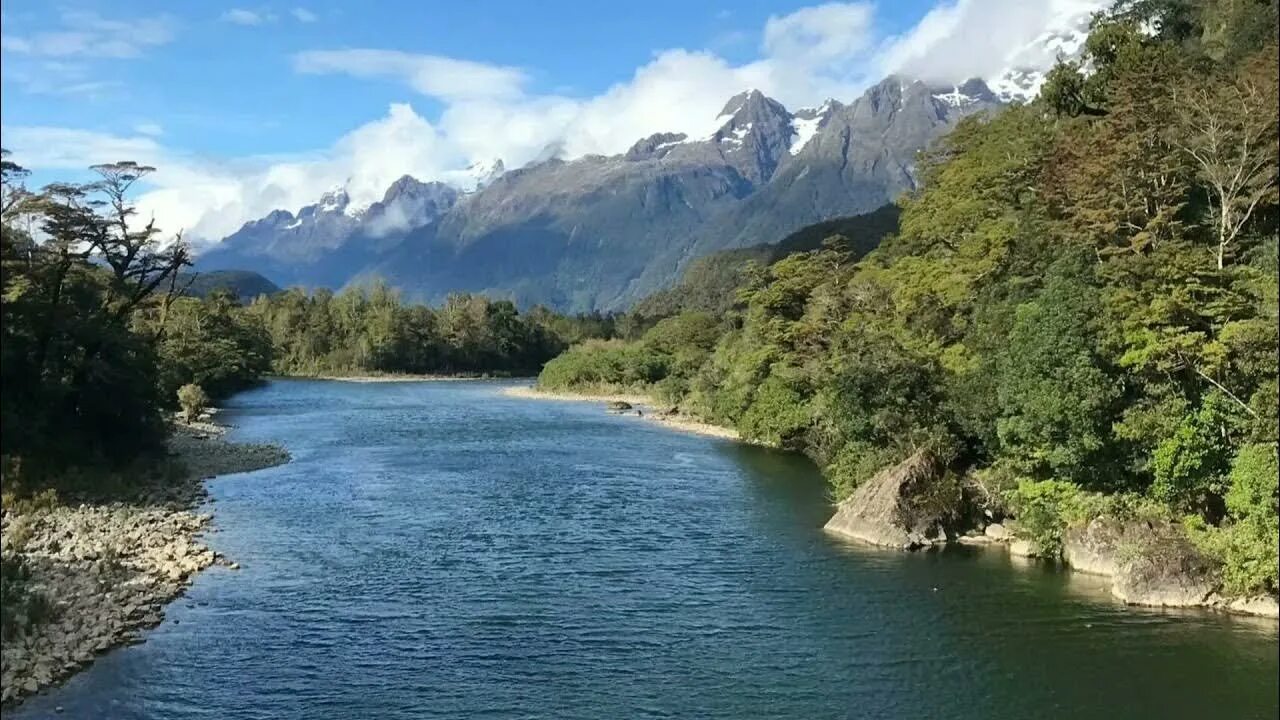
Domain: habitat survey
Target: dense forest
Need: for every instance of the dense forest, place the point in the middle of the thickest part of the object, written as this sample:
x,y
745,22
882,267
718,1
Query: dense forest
x,y
370,329
1078,310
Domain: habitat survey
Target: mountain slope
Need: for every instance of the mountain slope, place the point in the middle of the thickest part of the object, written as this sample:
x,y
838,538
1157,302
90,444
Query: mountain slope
x,y
599,233
244,284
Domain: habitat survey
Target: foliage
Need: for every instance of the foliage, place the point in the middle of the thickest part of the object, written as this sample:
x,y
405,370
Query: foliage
x,y
193,401
79,383
1246,541
1044,509
370,329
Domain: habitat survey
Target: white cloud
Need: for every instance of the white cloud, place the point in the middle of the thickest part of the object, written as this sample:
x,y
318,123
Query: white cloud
x,y
977,38
303,15
149,128
434,75
241,16
211,199
820,35
490,111
86,34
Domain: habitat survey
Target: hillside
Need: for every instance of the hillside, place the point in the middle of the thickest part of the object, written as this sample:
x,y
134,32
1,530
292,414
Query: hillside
x,y
245,284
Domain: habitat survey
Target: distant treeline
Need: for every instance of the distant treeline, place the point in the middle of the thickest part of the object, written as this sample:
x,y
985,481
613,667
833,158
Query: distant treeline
x,y
1078,310
370,329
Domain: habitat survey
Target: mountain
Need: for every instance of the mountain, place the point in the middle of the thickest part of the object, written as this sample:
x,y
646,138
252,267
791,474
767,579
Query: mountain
x,y
326,244
599,233
1024,73
245,284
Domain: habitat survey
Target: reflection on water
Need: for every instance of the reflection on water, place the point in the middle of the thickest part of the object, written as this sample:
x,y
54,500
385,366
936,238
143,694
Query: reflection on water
x,y
439,550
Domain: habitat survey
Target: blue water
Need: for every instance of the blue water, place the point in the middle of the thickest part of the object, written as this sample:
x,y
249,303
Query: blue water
x,y
439,550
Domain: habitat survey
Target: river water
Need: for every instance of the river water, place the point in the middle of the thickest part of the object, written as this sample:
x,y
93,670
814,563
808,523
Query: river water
x,y
439,550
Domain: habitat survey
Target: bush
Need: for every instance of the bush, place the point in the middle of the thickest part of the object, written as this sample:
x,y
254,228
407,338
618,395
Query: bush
x,y
193,401
1248,542
1044,510
1190,467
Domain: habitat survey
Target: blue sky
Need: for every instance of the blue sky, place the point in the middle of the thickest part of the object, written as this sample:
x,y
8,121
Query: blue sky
x,y
245,106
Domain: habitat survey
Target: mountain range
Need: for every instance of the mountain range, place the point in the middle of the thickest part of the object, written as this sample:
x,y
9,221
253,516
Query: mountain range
x,y
599,233
602,232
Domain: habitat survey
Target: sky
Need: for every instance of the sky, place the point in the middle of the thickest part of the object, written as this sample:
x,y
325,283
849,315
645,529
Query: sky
x,y
246,108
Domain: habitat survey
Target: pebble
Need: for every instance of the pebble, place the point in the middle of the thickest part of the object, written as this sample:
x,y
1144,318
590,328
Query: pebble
x,y
110,569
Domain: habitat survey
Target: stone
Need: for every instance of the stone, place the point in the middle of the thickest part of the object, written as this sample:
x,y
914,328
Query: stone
x,y
618,406
998,532
1162,568
906,506
1022,548
1263,606
1094,547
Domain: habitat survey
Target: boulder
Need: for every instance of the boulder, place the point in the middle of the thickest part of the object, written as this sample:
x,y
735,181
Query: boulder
x,y
998,532
1022,548
1159,566
1264,606
617,406
1094,547
906,506
1150,562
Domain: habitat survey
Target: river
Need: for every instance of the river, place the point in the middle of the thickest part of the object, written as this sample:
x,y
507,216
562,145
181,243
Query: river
x,y
439,550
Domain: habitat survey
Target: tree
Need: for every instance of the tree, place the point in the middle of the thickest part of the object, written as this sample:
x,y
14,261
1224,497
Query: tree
x,y
78,384
1229,128
193,401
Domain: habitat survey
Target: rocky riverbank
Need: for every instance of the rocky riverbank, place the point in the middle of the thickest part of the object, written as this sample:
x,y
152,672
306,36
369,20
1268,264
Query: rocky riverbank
x,y
103,572
919,504
642,407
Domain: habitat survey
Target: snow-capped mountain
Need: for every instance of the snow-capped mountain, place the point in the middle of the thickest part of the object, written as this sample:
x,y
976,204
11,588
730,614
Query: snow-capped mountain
x,y
304,248
478,175
600,232
1024,72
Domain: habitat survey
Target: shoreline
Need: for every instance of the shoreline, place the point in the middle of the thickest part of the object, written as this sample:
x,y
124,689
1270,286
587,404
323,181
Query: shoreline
x,y
395,378
644,403
1263,608
108,570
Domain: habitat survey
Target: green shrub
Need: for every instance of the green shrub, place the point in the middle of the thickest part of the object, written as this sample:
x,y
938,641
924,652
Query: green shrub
x,y
193,401
1190,467
1248,542
1044,510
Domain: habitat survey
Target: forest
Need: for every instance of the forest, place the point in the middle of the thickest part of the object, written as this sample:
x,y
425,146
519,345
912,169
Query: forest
x,y
1077,310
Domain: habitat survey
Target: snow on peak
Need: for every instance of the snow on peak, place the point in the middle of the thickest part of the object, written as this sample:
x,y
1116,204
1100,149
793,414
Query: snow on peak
x,y
1024,72
804,129
806,122
955,98
334,200
479,174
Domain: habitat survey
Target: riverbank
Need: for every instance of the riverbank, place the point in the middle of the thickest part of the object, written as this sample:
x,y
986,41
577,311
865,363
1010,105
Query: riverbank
x,y
105,571
400,377
394,378
650,410
1148,558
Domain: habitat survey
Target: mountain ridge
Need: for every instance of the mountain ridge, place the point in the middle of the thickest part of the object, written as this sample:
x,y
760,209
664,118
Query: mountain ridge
x,y
601,232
